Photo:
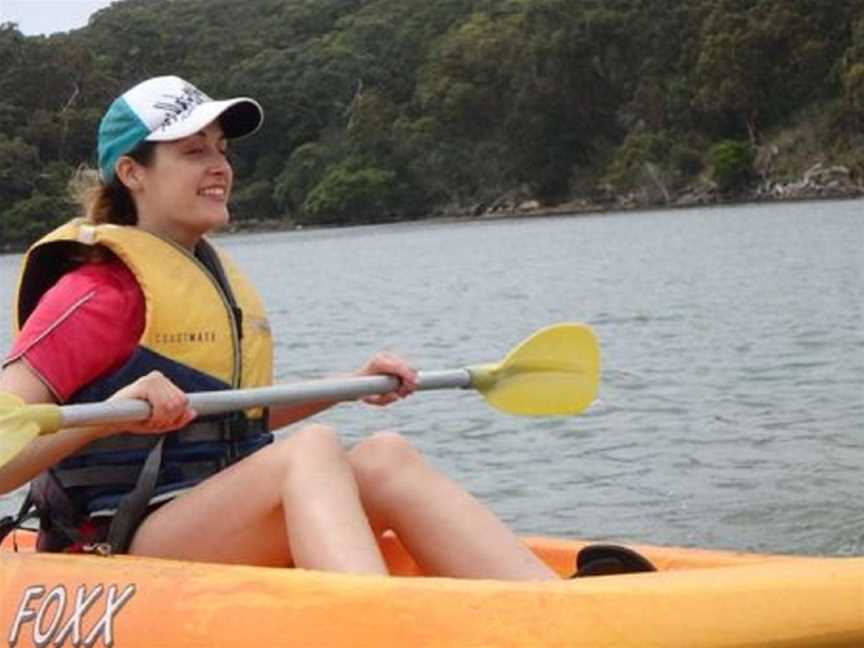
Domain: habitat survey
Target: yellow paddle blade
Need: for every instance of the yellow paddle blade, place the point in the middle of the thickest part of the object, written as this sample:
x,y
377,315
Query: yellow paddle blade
x,y
20,423
556,371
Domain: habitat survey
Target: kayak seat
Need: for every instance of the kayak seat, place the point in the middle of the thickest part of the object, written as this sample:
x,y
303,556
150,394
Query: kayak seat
x,y
609,559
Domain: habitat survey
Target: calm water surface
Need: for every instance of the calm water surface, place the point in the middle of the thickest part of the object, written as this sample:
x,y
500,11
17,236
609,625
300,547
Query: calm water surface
x,y
731,412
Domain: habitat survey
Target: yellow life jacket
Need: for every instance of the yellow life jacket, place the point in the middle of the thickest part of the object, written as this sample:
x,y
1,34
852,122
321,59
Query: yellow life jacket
x,y
188,316
205,328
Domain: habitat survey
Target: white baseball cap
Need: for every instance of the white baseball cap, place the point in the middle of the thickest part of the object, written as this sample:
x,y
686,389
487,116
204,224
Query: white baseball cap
x,y
168,108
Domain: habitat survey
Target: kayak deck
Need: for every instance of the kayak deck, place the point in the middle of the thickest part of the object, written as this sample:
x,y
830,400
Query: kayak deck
x,y
698,597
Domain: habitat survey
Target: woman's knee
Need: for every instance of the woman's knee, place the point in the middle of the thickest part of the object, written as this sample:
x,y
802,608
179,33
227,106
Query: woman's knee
x,y
313,445
382,457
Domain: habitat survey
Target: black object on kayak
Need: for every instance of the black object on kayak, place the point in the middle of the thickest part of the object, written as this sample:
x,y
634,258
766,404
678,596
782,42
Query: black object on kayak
x,y
608,559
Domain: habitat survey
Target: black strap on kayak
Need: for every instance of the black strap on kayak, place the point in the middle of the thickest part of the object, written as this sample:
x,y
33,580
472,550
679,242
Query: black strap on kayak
x,y
133,506
608,559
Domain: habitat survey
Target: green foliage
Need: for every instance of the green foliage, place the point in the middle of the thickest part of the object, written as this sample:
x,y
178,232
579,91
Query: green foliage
x,y
349,195
740,85
28,219
686,161
853,84
638,150
303,171
852,80
438,105
732,163
252,201
524,80
19,168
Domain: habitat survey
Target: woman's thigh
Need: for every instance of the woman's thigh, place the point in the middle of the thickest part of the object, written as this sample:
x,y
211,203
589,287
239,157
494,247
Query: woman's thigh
x,y
234,516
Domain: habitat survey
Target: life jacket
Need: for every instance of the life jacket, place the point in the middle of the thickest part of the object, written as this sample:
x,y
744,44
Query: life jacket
x,y
205,329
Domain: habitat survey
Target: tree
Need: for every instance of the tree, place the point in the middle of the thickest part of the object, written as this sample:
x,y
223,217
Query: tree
x,y
19,168
29,219
524,77
444,105
643,158
852,78
732,163
351,195
737,76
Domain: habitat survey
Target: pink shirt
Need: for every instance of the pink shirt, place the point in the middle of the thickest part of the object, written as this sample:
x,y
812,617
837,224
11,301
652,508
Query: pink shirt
x,y
86,326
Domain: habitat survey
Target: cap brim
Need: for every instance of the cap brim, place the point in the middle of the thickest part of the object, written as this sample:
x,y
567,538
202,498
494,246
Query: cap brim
x,y
239,117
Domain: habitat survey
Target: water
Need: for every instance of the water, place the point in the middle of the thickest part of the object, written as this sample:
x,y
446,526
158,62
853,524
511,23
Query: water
x,y
732,402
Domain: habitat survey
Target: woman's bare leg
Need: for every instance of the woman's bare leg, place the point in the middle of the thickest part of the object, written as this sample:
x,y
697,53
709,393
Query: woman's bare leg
x,y
327,526
239,515
446,530
292,503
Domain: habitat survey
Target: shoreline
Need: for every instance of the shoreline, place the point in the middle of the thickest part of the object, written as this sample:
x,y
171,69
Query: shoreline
x,y
570,208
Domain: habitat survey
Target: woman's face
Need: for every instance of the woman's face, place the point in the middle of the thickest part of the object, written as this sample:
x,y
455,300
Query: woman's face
x,y
183,193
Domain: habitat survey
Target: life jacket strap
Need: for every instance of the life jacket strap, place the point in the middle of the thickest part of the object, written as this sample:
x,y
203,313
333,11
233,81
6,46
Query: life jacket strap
x,y
61,514
229,432
225,429
95,476
134,505
132,508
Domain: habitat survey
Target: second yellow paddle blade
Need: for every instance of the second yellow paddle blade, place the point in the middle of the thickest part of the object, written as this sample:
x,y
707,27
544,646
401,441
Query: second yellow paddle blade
x,y
21,423
556,371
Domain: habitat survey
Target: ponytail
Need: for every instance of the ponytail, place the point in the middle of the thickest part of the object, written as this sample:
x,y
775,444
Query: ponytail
x,y
109,203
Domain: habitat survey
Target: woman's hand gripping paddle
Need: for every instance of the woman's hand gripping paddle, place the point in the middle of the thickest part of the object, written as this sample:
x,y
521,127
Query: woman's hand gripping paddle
x,y
556,371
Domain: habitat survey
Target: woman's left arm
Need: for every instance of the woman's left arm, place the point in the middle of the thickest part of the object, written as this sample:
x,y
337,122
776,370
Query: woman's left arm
x,y
385,363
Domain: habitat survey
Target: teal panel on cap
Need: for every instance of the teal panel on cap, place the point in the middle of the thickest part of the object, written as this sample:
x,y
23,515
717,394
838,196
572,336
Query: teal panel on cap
x,y
120,131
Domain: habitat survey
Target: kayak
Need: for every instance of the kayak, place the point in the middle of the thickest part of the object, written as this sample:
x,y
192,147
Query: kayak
x,y
696,598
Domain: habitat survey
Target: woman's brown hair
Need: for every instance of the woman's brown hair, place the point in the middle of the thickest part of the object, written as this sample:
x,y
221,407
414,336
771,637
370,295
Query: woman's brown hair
x,y
109,202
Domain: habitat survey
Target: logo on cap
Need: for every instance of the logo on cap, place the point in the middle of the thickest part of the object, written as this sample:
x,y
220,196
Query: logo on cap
x,y
178,107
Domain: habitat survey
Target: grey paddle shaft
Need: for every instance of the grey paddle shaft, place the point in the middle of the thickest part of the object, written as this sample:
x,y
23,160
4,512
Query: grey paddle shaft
x,y
216,402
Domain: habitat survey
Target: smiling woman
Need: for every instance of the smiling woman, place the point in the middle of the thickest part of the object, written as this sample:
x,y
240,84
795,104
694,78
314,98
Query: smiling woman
x,y
133,301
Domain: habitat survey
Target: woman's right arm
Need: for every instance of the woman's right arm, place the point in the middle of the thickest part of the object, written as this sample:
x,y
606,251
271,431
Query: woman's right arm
x,y
83,327
170,412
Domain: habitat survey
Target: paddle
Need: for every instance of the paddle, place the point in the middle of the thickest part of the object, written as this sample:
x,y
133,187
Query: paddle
x,y
555,371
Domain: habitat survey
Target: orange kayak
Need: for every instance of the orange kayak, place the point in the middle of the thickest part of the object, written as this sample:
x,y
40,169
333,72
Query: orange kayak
x,y
697,598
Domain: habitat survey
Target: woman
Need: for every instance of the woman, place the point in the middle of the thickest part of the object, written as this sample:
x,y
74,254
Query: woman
x,y
134,301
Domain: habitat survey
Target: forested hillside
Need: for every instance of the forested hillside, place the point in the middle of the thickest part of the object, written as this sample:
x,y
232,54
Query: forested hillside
x,y
396,109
